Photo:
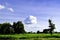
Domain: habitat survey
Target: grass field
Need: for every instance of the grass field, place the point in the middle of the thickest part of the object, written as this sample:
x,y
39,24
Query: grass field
x,y
31,36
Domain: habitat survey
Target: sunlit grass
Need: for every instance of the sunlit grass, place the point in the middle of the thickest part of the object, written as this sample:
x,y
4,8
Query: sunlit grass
x,y
29,36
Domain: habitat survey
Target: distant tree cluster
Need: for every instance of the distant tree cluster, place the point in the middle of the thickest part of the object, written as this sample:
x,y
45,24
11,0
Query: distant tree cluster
x,y
18,27
51,27
7,28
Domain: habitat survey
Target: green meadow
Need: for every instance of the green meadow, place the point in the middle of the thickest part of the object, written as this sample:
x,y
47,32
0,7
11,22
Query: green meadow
x,y
41,36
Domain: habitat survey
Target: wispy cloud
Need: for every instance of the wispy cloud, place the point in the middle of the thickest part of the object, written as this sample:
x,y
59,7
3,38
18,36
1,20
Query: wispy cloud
x,y
10,9
2,7
6,8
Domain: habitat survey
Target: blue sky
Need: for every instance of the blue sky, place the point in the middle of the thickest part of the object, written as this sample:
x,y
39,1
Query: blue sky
x,y
14,10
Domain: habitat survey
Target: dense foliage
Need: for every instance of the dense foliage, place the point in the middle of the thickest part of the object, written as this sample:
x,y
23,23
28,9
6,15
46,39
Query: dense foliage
x,y
51,28
7,28
18,27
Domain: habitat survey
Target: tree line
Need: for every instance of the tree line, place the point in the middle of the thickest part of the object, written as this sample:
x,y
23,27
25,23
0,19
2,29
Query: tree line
x,y
18,27
7,28
49,30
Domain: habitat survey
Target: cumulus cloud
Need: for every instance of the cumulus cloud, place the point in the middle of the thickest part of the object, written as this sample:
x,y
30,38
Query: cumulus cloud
x,y
30,20
11,9
2,7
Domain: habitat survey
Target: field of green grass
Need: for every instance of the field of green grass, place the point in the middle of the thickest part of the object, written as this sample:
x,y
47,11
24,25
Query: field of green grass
x,y
31,36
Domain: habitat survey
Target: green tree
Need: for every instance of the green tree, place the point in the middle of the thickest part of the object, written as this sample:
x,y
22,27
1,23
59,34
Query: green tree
x,y
18,27
38,31
52,26
46,30
5,28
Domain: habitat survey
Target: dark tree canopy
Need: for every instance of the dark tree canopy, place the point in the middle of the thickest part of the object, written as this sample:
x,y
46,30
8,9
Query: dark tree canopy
x,y
38,31
7,28
18,27
52,26
4,28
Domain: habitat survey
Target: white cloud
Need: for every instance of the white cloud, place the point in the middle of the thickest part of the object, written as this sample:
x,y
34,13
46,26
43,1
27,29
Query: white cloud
x,y
11,9
30,20
2,7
